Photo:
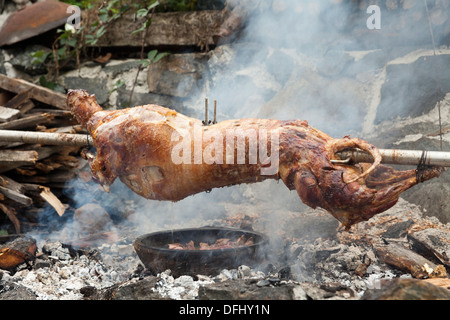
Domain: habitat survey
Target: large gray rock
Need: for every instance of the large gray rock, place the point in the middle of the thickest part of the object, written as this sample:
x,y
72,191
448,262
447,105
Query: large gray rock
x,y
335,106
177,74
412,89
97,86
135,289
92,219
13,291
23,60
249,290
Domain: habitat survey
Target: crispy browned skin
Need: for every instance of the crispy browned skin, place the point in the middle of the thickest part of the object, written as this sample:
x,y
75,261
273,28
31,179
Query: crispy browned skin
x,y
136,145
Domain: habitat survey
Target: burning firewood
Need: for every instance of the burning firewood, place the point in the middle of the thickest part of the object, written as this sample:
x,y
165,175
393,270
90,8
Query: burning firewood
x,y
16,252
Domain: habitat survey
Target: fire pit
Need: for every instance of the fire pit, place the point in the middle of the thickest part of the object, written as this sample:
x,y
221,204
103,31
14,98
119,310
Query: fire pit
x,y
153,250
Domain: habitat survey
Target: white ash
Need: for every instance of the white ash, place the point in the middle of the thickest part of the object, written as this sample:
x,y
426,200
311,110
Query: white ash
x,y
66,275
181,288
186,288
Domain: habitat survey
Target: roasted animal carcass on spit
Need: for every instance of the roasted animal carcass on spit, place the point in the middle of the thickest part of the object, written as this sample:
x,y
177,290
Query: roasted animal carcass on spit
x,y
163,155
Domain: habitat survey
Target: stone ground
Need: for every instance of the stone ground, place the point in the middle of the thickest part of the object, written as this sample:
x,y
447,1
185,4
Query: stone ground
x,y
309,257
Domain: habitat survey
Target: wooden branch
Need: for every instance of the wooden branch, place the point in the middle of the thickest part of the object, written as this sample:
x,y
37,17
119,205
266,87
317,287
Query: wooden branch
x,y
47,195
26,106
404,259
8,114
58,113
426,250
57,177
27,122
11,184
16,196
19,99
12,156
51,199
11,159
11,216
39,93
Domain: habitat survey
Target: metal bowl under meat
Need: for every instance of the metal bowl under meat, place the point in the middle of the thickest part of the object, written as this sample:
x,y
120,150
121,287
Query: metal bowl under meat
x,y
153,250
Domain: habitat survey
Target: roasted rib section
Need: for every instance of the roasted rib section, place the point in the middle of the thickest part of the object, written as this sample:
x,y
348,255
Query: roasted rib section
x,y
163,155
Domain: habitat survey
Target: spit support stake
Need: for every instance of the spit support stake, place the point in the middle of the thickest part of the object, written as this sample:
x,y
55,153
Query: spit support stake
x,y
393,156
207,122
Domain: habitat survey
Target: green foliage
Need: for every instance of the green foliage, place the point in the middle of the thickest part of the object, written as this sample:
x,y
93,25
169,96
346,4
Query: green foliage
x,y
145,13
77,44
178,5
119,84
71,44
153,57
39,56
48,84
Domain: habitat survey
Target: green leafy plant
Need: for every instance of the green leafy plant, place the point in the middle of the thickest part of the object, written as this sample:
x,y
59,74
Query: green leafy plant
x,y
39,56
74,45
153,57
147,14
119,84
48,84
71,44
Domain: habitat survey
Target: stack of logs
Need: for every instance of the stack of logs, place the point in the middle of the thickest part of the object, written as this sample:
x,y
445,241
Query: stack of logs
x,y
31,174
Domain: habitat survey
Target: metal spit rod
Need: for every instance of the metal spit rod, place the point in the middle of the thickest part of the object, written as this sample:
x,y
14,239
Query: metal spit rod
x,y
389,156
48,138
403,157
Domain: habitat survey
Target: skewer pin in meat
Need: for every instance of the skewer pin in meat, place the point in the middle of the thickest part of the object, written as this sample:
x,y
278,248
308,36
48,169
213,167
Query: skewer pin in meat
x,y
136,145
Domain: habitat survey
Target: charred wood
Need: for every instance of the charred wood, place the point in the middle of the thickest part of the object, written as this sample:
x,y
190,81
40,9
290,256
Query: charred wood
x,y
16,252
407,260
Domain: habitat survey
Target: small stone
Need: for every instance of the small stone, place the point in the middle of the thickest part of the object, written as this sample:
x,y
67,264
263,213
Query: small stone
x,y
83,273
87,291
226,273
201,277
263,283
299,293
64,272
361,269
91,218
284,273
177,75
274,281
24,61
41,264
244,271
184,281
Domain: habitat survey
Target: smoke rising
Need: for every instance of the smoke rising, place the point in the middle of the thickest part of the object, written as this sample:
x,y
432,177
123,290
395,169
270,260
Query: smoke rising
x,y
310,60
